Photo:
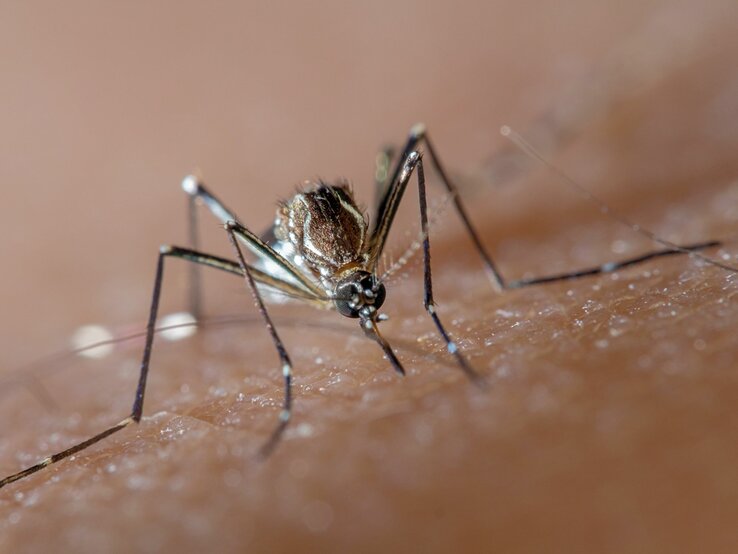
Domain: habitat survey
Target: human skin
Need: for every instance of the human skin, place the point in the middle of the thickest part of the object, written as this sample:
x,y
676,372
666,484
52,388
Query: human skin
x,y
608,423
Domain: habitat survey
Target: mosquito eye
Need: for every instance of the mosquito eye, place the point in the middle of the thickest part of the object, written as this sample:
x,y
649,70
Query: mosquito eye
x,y
373,291
346,300
379,295
346,308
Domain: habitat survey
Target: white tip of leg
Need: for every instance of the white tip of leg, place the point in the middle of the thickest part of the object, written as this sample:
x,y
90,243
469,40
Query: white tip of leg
x,y
452,348
418,130
190,185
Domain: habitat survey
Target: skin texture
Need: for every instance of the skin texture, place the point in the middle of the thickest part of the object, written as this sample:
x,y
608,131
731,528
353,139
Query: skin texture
x,y
609,424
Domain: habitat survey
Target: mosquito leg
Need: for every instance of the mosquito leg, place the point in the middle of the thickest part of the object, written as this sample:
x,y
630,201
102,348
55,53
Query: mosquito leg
x,y
383,165
611,266
419,135
387,206
195,285
232,227
65,453
196,191
412,161
428,281
135,415
257,246
186,254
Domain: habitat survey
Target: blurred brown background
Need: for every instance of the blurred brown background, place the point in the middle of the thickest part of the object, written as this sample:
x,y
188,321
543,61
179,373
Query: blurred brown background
x,y
106,106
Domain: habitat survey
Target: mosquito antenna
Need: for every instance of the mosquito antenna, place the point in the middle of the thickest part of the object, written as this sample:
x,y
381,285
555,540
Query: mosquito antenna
x,y
526,147
407,255
437,210
29,373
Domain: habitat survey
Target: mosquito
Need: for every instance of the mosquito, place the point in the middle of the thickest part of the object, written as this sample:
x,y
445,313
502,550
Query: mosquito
x,y
322,251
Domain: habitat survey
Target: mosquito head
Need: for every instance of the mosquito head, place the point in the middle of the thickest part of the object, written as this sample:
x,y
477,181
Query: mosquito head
x,y
360,294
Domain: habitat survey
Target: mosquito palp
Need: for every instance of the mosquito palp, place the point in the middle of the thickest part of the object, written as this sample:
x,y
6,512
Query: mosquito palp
x,y
322,251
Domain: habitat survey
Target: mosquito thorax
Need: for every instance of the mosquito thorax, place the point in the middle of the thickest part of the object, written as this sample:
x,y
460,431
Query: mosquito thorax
x,y
359,294
325,227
